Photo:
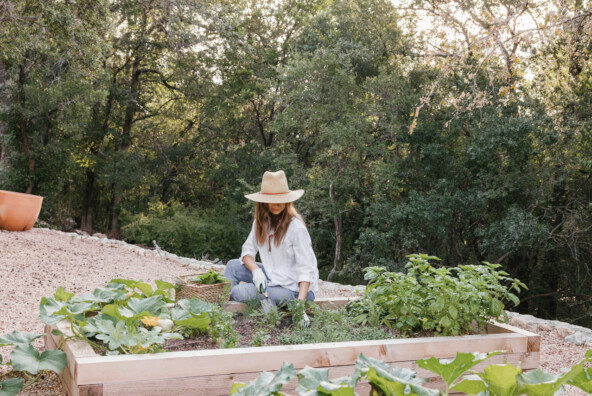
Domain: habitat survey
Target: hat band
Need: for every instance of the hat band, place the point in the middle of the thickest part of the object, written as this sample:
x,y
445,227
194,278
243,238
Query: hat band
x,y
276,193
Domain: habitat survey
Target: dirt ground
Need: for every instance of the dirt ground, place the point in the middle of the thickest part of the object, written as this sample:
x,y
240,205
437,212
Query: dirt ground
x,y
33,264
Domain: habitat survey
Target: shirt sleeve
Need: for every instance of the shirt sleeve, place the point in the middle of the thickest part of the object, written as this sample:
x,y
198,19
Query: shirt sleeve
x,y
305,259
250,247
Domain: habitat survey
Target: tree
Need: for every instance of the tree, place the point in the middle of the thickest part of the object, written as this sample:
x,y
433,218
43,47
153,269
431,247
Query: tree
x,y
49,71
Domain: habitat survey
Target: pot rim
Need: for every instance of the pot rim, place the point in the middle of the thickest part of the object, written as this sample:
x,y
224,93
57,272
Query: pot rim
x,y
19,194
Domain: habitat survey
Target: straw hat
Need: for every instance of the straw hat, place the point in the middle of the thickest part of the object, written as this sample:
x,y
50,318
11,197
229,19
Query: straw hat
x,y
274,189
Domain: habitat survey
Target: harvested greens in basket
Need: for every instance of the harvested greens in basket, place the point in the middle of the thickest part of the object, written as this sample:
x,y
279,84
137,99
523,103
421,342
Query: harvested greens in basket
x,y
209,278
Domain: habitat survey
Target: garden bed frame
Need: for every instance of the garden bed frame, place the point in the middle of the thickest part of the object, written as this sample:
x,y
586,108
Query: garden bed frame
x,y
212,372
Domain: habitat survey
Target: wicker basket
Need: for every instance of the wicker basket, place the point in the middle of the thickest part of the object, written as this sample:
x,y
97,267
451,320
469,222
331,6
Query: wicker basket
x,y
214,294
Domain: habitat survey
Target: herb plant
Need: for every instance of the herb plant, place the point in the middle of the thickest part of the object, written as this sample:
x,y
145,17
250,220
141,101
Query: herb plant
x,y
28,361
494,380
221,328
265,324
298,309
445,300
331,325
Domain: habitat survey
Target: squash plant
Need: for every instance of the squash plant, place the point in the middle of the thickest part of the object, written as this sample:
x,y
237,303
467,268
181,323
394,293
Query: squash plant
x,y
129,316
28,361
494,380
445,300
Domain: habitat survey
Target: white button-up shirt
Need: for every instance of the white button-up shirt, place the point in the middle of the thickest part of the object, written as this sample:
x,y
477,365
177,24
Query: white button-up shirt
x,y
290,263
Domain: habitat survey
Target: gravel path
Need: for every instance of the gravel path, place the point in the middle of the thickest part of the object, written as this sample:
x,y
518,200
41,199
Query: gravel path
x,y
33,264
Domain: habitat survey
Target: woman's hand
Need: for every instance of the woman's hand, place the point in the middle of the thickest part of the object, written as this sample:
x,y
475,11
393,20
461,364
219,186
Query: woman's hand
x,y
260,281
259,278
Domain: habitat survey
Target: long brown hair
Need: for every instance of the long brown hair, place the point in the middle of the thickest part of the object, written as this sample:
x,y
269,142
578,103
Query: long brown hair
x,y
264,218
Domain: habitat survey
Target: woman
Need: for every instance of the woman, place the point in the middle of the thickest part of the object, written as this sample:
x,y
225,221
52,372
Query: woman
x,y
288,268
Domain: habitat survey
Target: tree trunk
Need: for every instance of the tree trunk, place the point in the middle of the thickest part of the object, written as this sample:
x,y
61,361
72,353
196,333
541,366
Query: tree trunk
x,y
115,233
22,125
338,233
130,112
89,203
3,101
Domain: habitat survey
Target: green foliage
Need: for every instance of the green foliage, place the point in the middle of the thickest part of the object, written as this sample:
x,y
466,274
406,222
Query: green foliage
x,y
394,381
498,380
11,386
451,370
509,380
127,316
265,323
445,300
481,151
18,338
209,278
330,325
315,381
27,360
194,316
266,383
186,232
272,317
297,309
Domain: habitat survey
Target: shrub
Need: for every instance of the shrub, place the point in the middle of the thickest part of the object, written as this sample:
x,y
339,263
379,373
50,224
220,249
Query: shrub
x,y
187,232
445,300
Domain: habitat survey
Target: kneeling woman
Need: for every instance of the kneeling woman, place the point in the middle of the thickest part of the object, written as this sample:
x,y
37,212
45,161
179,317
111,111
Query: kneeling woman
x,y
288,268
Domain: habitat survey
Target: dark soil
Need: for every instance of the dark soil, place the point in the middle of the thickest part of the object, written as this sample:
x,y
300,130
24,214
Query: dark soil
x,y
244,327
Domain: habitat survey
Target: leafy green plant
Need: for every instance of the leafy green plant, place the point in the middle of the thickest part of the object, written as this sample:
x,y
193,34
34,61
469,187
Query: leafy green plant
x,y
451,370
331,325
272,317
28,361
392,381
185,231
128,316
259,337
266,322
209,278
252,308
266,383
445,300
311,380
509,380
494,380
298,309
221,328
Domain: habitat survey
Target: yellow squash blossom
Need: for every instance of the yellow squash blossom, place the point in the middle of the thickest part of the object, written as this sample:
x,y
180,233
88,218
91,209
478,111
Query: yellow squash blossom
x,y
150,320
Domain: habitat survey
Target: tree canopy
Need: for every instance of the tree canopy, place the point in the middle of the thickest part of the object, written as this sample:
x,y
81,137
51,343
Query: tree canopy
x,y
454,128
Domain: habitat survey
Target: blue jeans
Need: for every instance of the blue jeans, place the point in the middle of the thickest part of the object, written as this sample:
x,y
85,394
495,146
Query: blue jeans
x,y
236,272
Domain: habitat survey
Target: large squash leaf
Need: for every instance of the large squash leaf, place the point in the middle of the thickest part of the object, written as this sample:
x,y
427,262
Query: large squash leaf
x,y
11,387
266,383
27,358
18,338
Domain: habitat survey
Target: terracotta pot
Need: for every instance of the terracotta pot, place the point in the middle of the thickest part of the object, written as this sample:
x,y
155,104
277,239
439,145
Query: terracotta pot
x,y
18,211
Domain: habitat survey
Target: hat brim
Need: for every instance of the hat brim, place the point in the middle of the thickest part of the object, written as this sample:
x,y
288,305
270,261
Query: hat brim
x,y
275,198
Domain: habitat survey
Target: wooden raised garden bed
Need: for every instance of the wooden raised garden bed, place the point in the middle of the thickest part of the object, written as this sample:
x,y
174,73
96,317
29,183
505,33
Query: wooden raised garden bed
x,y
212,372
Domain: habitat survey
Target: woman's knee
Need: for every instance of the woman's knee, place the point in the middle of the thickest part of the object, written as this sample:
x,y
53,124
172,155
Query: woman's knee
x,y
232,268
243,292
234,263
280,295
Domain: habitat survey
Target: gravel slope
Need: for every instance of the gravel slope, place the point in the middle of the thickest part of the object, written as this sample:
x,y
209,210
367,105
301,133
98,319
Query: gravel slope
x,y
34,263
